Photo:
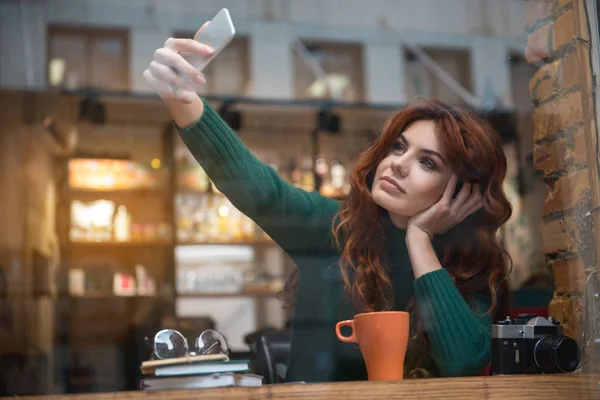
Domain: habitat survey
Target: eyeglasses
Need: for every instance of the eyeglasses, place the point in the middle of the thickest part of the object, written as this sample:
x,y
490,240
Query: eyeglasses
x,y
169,343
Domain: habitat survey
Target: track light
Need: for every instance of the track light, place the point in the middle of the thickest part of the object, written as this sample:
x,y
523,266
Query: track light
x,y
93,110
233,118
328,121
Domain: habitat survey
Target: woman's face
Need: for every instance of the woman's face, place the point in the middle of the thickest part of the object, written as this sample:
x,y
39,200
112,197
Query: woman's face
x,y
414,174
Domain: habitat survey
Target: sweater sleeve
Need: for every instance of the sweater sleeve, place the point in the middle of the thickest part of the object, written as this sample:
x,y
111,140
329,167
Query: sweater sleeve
x,y
460,338
297,220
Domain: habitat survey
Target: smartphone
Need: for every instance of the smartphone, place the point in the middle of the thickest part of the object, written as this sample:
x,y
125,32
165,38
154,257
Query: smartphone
x,y
217,34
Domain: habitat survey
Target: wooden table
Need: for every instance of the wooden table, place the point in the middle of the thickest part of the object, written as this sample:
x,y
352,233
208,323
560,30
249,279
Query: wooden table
x,y
521,387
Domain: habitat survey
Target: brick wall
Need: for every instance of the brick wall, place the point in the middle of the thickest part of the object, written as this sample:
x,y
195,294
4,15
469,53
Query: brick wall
x,y
560,149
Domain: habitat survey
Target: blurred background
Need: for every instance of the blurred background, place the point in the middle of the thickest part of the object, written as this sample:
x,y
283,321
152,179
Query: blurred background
x,y
111,230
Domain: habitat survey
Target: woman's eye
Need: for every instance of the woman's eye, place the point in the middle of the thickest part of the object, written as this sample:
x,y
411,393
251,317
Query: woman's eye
x,y
427,163
399,147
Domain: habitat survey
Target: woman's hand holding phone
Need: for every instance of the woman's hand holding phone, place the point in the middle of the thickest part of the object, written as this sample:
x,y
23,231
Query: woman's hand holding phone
x,y
176,80
171,75
175,73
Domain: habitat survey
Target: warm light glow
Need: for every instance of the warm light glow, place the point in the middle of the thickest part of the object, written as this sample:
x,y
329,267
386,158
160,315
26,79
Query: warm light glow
x,y
223,211
108,174
155,163
336,83
56,71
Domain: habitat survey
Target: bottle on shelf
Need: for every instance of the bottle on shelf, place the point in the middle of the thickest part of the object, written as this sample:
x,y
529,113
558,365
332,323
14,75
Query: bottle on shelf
x,y
234,224
223,209
295,173
308,176
337,185
200,227
203,181
184,211
322,174
283,171
122,225
212,219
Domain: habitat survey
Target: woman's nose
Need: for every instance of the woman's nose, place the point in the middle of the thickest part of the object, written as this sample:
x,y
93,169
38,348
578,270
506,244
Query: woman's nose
x,y
399,166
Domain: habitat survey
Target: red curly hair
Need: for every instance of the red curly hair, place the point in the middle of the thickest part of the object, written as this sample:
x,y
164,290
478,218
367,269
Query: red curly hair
x,y
476,262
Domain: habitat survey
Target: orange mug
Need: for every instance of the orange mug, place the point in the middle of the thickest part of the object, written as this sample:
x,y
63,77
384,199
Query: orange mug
x,y
382,338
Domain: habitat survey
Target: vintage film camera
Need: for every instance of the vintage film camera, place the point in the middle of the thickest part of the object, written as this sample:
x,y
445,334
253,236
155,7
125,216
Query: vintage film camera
x,y
532,345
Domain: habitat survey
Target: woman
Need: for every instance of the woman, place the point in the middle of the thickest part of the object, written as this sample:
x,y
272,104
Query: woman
x,y
417,231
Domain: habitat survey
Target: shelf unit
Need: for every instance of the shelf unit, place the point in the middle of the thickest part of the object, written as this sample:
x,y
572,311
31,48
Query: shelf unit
x,y
258,242
157,250
154,204
244,293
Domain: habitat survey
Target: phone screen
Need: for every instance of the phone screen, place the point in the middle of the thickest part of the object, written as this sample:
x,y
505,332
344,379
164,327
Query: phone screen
x,y
217,34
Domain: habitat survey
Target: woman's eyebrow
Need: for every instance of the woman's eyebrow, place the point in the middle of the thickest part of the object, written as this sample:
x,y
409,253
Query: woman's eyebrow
x,y
403,139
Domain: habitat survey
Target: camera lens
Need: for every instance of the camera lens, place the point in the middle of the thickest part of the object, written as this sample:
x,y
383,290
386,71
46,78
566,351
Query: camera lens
x,y
557,353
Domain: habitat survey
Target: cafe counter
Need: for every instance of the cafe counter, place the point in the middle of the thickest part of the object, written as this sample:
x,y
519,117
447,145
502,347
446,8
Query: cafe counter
x,y
546,387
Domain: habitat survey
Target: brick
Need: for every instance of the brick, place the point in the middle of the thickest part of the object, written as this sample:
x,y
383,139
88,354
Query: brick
x,y
563,30
569,76
542,83
547,89
567,192
564,3
540,74
554,240
538,44
560,155
550,157
557,115
536,10
569,274
579,153
568,310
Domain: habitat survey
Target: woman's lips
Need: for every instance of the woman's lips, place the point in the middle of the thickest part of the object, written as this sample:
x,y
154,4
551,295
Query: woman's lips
x,y
390,185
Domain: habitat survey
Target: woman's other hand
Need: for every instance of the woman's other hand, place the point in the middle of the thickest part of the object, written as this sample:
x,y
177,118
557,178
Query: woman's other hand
x,y
448,211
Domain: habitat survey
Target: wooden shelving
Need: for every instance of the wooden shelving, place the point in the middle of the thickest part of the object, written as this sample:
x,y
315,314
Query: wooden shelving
x,y
164,243
243,293
130,243
108,295
76,192
250,242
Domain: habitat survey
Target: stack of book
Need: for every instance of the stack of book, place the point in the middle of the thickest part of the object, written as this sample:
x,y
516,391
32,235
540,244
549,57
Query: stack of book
x,y
194,372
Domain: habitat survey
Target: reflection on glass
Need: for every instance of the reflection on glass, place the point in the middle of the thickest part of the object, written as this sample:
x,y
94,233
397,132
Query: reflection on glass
x,y
170,344
131,239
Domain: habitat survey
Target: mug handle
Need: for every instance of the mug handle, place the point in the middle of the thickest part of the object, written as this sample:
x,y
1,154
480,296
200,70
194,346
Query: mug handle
x,y
347,339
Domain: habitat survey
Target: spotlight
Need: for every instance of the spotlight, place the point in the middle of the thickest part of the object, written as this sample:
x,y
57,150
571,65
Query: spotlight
x,y
233,118
93,110
504,123
328,121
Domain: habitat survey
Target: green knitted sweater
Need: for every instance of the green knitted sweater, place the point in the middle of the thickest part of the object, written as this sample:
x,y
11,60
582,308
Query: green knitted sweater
x,y
300,223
